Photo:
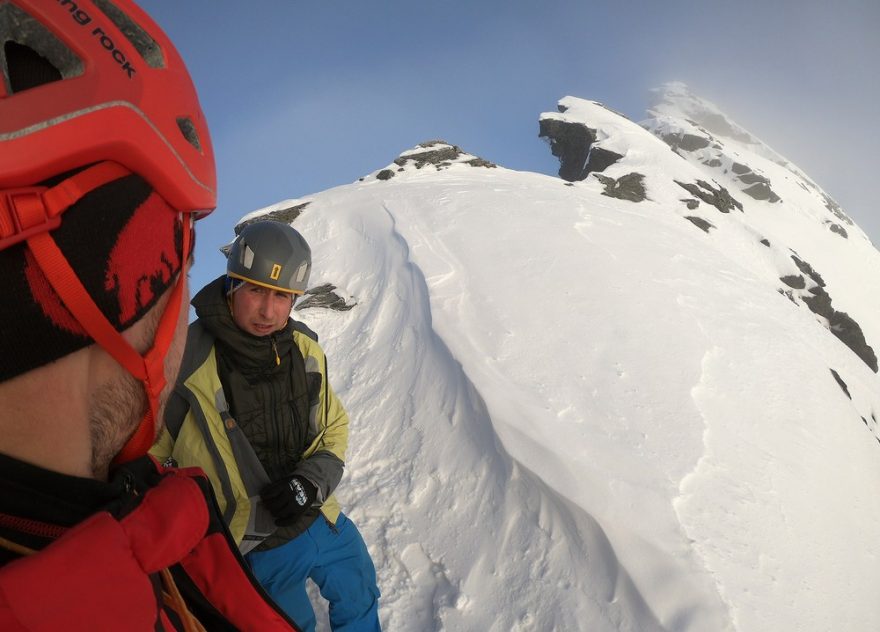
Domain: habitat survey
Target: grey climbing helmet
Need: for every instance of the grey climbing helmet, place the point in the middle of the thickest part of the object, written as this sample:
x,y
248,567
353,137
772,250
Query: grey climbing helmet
x,y
271,254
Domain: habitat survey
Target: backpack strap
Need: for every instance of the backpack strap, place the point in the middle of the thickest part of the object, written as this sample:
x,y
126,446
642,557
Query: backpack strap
x,y
304,329
199,343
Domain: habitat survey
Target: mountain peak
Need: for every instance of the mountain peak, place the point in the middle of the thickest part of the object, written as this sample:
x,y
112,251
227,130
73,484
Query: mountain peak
x,y
724,169
676,100
436,153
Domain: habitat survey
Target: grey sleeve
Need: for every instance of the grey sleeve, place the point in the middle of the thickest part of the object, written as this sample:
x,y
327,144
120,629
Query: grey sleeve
x,y
323,470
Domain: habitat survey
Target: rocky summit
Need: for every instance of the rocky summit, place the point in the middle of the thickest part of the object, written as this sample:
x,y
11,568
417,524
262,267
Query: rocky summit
x,y
728,170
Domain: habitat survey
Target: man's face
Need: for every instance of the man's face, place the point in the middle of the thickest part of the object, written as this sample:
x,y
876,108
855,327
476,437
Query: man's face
x,y
259,310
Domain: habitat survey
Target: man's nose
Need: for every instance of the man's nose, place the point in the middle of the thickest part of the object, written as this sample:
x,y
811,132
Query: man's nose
x,y
266,306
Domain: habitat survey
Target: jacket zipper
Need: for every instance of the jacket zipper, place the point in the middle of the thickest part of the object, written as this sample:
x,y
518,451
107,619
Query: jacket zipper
x,y
275,350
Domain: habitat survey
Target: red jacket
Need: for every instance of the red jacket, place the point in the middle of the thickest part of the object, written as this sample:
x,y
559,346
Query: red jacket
x,y
106,572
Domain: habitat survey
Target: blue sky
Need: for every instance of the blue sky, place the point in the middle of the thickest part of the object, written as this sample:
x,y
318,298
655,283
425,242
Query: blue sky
x,y
303,96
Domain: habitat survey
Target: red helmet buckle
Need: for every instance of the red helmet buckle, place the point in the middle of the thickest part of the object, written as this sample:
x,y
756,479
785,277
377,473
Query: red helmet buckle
x,y
23,213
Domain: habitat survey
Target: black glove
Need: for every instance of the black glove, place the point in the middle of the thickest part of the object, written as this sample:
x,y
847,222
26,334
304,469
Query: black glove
x,y
288,498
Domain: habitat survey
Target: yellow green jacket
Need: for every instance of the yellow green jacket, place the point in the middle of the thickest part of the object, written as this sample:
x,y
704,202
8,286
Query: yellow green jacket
x,y
200,431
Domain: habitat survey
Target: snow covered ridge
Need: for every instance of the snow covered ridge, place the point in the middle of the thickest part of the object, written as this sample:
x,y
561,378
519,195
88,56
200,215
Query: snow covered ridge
x,y
573,410
711,159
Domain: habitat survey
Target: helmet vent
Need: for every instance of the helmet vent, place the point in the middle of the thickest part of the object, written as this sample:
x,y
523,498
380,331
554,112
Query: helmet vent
x,y
247,257
31,55
27,68
138,37
188,129
302,273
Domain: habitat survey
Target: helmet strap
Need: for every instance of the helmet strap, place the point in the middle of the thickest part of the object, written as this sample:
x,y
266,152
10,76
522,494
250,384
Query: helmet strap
x,y
148,368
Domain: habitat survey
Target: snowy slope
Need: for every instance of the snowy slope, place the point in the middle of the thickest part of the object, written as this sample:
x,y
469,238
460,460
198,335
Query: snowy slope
x,y
572,411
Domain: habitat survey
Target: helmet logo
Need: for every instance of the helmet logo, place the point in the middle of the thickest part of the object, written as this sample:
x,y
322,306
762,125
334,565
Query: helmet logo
x,y
82,18
276,272
118,55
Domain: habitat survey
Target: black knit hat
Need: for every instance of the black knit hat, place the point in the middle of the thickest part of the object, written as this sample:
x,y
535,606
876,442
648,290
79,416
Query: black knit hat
x,y
124,243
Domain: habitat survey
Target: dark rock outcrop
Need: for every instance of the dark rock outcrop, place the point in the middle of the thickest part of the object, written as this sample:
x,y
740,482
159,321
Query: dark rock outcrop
x,y
286,215
720,198
686,142
600,159
700,223
760,185
323,296
629,187
750,177
762,191
795,281
438,153
838,212
838,229
572,144
439,156
841,324
807,269
843,387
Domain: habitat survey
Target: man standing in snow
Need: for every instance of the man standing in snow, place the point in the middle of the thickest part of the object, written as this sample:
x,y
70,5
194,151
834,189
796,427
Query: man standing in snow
x,y
105,161
254,407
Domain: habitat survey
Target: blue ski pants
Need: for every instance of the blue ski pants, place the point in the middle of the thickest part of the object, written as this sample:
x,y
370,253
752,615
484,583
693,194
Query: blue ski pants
x,y
337,560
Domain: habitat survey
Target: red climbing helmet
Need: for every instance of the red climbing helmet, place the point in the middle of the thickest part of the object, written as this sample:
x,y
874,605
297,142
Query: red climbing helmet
x,y
92,92
122,93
